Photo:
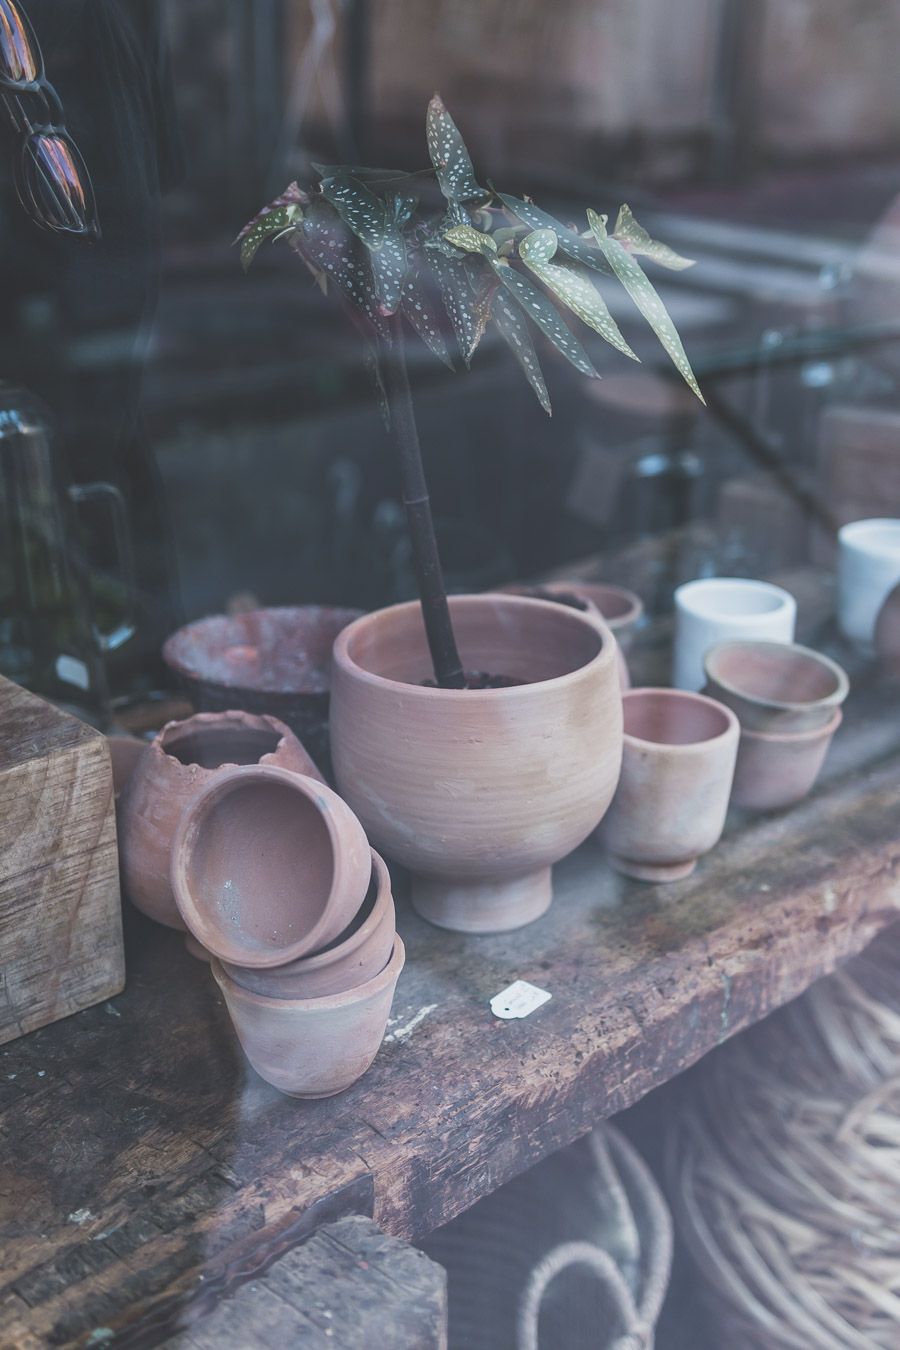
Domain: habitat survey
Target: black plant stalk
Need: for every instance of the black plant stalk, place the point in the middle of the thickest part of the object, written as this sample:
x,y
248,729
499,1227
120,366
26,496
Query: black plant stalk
x,y
445,657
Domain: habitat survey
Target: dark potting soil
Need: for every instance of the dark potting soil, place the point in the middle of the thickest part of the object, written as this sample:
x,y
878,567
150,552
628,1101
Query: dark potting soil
x,y
479,679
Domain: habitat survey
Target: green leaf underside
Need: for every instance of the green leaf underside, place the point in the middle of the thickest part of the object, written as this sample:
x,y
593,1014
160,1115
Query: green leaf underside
x,y
468,313
570,241
470,240
573,287
642,292
423,317
372,221
449,155
637,240
267,224
540,311
513,327
332,252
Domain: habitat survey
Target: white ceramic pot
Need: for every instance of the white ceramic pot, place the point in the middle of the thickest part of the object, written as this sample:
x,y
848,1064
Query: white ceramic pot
x,y
868,570
717,608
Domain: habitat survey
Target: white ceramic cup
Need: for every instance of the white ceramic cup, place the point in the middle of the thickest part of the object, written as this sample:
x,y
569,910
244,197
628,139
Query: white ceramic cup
x,y
868,570
717,608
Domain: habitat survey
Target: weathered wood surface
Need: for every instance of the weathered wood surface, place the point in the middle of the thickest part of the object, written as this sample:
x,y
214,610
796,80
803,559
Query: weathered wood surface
x,y
60,925
349,1287
145,1170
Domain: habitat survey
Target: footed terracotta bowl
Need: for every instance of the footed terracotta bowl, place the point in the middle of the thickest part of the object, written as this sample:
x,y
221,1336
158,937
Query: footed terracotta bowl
x,y
355,956
313,1047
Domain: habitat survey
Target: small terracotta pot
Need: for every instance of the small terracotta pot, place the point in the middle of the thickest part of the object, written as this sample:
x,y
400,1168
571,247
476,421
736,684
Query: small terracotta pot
x,y
313,1047
678,764
124,753
268,865
777,769
354,957
174,769
887,635
478,791
619,609
775,686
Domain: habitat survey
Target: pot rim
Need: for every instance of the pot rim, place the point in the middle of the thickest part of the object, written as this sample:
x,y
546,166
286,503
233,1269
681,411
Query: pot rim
x,y
213,721
192,818
835,698
324,1002
796,737
685,598
605,656
855,535
732,729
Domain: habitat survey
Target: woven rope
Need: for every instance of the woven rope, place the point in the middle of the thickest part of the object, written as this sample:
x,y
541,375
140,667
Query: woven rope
x,y
784,1169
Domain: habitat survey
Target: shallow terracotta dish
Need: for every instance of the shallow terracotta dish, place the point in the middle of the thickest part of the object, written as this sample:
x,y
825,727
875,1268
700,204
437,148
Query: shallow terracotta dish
x,y
478,791
170,773
313,1047
275,660
356,955
776,769
775,686
677,767
268,865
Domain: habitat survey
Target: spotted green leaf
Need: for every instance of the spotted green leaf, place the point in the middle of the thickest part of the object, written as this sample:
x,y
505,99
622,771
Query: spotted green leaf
x,y
419,310
468,311
572,286
637,240
570,241
329,249
449,155
271,220
512,325
642,292
542,312
375,224
470,240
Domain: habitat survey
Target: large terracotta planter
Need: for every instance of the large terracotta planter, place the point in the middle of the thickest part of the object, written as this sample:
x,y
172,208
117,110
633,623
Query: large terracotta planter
x,y
478,792
172,771
313,1047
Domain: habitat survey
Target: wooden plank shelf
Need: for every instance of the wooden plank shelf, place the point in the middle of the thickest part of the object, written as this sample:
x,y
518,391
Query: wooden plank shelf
x,y
145,1170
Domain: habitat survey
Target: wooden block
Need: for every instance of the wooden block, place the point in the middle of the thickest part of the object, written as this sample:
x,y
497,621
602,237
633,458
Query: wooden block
x,y
60,915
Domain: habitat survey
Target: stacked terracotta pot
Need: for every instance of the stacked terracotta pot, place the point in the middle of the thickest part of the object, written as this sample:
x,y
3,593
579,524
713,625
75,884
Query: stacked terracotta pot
x,y
273,874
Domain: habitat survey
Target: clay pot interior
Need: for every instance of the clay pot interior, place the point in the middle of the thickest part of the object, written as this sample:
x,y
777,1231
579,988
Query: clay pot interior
x,y
211,747
775,683
396,649
268,865
658,716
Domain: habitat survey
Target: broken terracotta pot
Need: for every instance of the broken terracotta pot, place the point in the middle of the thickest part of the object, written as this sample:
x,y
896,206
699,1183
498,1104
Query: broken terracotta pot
x,y
677,768
478,791
355,956
268,865
313,1047
776,769
775,686
172,771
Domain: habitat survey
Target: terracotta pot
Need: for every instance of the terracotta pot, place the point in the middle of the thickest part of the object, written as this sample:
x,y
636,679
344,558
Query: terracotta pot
x,y
775,686
275,661
174,769
777,769
887,635
478,792
268,865
620,609
124,753
313,1047
678,764
355,956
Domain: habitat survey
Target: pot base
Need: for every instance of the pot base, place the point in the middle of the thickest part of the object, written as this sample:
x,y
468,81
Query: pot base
x,y
483,906
651,871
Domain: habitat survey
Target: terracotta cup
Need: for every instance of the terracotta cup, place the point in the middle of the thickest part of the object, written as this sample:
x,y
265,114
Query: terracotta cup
x,y
478,791
268,865
313,1047
716,608
620,610
775,769
868,570
355,956
172,771
775,686
670,805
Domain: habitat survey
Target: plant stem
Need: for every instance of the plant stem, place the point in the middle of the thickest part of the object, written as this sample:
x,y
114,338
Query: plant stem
x,y
445,658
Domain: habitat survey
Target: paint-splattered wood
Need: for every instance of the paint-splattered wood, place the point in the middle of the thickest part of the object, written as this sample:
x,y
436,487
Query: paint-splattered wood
x,y
60,925
145,1170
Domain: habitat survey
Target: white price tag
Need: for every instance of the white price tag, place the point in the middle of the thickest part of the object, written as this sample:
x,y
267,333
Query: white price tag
x,y
518,1000
73,671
